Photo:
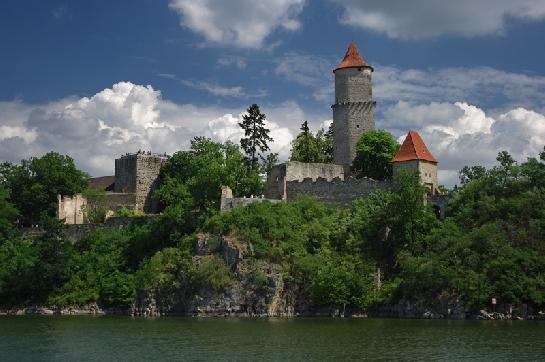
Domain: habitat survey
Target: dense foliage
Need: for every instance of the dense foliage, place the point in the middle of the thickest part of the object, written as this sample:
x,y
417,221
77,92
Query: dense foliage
x,y
374,153
309,147
388,246
36,182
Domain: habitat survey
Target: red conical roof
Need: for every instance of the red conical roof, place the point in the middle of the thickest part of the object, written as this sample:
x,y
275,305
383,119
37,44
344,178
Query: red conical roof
x,y
353,59
413,148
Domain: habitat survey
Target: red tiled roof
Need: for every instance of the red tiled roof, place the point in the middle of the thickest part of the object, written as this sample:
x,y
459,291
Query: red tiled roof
x,y
353,59
413,148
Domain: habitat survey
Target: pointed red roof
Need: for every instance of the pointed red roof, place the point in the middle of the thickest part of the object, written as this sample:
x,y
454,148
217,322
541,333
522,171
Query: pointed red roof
x,y
413,148
353,59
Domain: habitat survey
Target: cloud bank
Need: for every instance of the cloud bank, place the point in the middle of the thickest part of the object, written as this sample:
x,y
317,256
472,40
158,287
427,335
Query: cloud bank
x,y
425,18
124,118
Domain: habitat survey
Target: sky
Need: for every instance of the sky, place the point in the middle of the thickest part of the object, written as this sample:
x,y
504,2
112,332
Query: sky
x,y
97,79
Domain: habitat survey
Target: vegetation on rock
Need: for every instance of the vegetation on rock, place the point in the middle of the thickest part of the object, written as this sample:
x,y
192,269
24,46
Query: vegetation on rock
x,y
386,247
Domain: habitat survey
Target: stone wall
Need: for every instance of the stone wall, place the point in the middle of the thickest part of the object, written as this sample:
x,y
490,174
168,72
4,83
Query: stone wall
x,y
427,171
148,168
72,209
75,232
139,173
335,192
228,202
353,112
114,201
298,171
125,174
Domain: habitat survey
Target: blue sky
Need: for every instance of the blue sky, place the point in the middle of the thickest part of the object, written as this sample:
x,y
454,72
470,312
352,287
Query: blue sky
x,y
95,79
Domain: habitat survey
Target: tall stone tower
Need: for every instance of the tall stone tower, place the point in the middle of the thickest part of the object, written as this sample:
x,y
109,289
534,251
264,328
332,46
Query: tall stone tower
x,y
354,108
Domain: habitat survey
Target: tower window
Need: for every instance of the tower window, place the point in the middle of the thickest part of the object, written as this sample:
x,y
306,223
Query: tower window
x,y
357,126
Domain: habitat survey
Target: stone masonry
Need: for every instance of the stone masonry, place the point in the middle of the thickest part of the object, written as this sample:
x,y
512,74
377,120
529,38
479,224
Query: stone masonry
x,y
139,173
354,108
296,171
335,192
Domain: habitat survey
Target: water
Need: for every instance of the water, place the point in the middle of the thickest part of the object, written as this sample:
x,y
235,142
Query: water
x,y
69,338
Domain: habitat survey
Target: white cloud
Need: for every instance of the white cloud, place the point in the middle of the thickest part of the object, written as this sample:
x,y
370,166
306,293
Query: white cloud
x,y
216,89
242,23
232,60
309,71
221,91
425,18
125,118
27,135
460,134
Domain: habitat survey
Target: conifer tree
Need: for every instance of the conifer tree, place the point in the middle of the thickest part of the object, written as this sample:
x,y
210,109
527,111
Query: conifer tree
x,y
256,135
308,147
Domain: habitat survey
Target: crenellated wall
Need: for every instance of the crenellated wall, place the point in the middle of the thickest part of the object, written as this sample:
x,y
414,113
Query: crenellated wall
x,y
294,170
335,192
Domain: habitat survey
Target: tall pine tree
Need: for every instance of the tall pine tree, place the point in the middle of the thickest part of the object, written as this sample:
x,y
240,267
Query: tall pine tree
x,y
256,135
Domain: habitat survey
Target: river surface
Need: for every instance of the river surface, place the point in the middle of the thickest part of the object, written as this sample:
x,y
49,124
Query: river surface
x,y
107,338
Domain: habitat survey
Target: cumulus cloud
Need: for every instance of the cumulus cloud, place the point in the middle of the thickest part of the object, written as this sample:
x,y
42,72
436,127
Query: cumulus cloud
x,y
461,134
424,18
242,23
124,118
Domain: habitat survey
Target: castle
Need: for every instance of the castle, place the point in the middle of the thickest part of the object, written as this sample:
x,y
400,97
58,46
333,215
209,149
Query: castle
x,y
136,175
353,114
136,178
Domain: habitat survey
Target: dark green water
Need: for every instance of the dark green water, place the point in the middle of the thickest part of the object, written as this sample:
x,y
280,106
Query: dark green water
x,y
123,338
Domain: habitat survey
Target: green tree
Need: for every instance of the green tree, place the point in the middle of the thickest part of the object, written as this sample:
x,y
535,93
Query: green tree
x,y
307,147
268,163
304,147
325,139
375,151
96,206
9,216
36,182
256,136
191,181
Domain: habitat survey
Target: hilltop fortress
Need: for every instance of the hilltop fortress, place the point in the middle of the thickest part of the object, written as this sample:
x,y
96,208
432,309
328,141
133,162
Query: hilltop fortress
x,y
353,114
137,175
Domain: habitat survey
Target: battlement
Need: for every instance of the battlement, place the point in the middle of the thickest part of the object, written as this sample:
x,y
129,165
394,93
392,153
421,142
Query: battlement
x,y
228,201
145,154
336,191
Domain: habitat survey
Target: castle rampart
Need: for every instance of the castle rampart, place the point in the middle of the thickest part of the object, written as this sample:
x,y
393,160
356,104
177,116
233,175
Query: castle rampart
x,y
335,192
293,171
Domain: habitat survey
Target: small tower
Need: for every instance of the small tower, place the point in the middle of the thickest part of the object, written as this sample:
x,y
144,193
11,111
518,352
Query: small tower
x,y
414,155
139,174
354,108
